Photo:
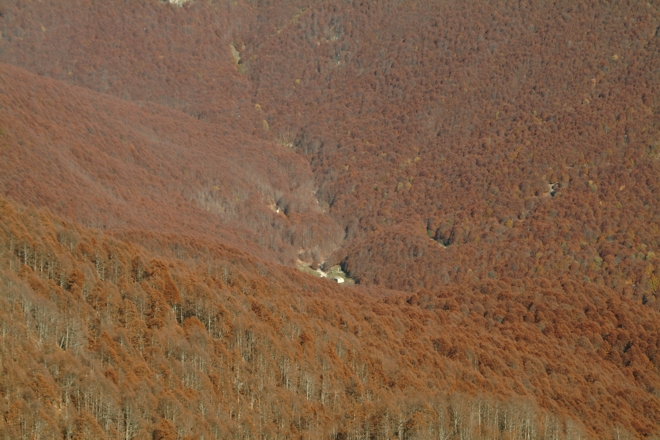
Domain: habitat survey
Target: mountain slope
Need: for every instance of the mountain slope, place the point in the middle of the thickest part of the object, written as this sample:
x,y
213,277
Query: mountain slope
x,y
493,129
487,172
104,338
522,138
115,165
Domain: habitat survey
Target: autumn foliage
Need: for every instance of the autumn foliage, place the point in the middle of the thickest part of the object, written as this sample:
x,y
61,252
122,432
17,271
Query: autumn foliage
x,y
487,172
104,338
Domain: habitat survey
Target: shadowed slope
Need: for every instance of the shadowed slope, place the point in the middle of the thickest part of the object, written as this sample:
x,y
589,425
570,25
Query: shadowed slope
x,y
138,51
525,138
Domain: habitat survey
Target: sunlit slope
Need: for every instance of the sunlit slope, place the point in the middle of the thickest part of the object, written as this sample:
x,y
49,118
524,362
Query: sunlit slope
x,y
102,338
111,164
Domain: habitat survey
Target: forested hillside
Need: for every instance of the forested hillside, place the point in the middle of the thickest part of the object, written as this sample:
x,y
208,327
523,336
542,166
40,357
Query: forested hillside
x,y
115,165
479,124
487,172
491,127
104,338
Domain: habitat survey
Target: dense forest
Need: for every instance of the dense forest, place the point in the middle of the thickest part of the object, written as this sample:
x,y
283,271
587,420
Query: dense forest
x,y
101,337
479,125
98,150
487,172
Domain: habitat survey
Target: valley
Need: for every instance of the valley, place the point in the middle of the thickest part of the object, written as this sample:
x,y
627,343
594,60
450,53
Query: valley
x,y
329,219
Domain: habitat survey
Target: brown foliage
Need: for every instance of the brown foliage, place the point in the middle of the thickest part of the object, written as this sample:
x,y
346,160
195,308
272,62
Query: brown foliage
x,y
155,170
497,162
281,353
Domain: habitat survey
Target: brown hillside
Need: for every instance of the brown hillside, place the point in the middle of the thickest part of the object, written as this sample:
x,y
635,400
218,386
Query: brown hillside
x,y
104,339
450,116
457,117
142,51
114,165
488,173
